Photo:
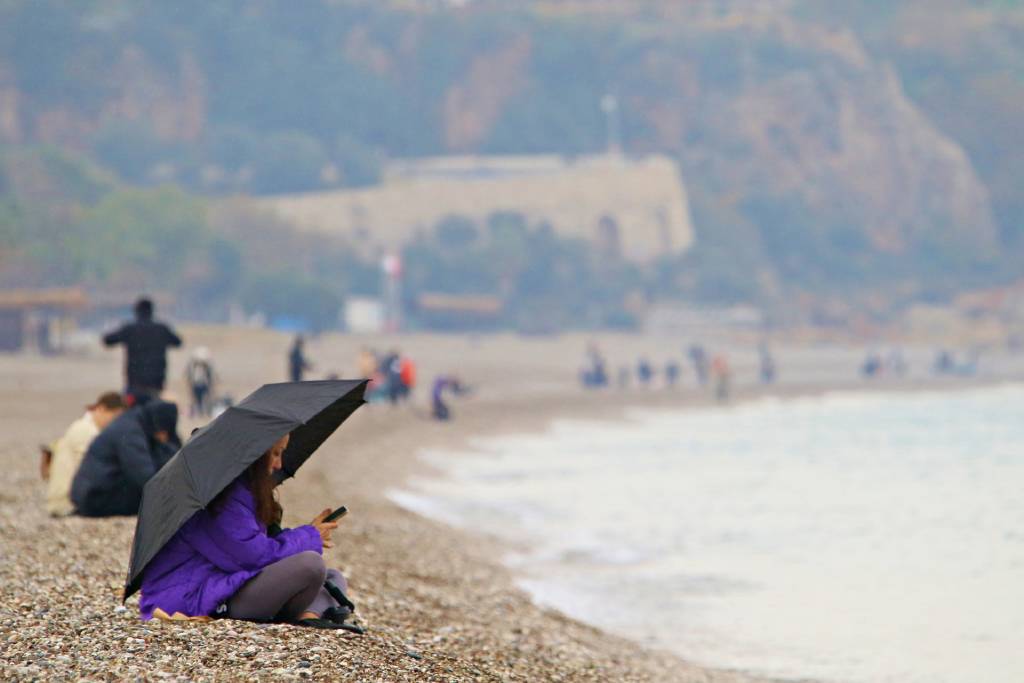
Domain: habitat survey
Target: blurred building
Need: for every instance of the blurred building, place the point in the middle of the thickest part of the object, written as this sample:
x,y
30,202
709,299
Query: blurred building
x,y
364,315
638,207
682,320
458,311
39,319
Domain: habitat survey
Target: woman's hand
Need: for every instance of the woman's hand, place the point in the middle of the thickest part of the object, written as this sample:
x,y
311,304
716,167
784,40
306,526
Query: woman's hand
x,y
325,528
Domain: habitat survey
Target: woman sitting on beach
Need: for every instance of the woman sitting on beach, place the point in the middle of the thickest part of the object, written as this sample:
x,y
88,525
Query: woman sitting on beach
x,y
222,562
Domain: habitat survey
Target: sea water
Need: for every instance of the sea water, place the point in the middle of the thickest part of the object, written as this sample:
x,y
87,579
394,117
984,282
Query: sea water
x,y
849,537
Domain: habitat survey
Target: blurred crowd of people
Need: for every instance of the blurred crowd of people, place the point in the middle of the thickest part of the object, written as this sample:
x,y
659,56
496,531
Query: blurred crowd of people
x,y
711,370
231,557
392,375
99,465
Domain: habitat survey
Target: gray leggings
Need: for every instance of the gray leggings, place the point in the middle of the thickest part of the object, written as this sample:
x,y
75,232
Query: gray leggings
x,y
286,589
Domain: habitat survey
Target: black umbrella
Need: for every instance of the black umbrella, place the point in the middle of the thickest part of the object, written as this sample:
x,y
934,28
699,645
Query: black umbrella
x,y
216,454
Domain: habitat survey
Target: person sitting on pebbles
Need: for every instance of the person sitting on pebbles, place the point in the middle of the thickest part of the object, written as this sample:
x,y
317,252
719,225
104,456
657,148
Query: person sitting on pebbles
x,y
61,461
223,562
124,456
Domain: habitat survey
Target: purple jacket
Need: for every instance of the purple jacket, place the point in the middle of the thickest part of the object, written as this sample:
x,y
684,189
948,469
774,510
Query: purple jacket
x,y
214,553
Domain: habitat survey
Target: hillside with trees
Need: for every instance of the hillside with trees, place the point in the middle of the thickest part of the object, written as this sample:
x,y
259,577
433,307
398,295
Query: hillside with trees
x,y
865,150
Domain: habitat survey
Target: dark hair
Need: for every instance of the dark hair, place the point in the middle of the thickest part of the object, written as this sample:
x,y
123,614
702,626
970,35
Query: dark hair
x,y
261,485
144,308
111,400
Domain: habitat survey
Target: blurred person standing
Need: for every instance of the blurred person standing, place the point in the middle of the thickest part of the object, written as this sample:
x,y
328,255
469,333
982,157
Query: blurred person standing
x,y
391,367
644,372
146,342
768,368
438,408
896,364
200,377
672,372
872,366
59,469
699,359
367,363
297,361
406,377
721,374
595,373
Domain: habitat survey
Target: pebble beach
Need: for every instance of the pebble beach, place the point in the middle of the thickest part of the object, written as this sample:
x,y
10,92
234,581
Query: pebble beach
x,y
437,603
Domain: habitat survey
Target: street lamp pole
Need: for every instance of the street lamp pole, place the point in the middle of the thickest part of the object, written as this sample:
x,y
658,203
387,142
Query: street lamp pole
x,y
610,107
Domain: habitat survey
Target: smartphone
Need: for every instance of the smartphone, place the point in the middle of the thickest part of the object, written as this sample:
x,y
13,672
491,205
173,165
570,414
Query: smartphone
x,y
336,515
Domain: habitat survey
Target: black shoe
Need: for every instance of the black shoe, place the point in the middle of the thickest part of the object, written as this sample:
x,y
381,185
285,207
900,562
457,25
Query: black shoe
x,y
319,623
352,628
339,597
337,614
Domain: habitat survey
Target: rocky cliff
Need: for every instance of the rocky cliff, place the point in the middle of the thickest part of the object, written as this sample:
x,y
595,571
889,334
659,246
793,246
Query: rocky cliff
x,y
807,139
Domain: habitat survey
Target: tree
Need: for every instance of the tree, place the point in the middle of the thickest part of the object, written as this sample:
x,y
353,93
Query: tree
x,y
291,161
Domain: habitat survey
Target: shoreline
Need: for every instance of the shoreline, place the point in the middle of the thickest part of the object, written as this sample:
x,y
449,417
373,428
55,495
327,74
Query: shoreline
x,y
393,455
594,409
438,601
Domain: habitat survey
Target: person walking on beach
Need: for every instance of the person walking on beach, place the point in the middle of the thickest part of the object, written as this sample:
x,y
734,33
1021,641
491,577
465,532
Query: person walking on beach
x,y
124,456
644,372
297,362
366,363
671,374
624,376
438,408
768,368
872,366
199,375
67,453
594,375
721,374
391,367
223,563
146,342
699,359
406,377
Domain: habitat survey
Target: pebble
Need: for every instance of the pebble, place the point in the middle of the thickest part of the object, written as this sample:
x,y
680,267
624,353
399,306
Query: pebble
x,y
419,586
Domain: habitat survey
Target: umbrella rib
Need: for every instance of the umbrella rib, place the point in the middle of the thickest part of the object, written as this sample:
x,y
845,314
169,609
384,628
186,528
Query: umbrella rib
x,y
192,479
251,411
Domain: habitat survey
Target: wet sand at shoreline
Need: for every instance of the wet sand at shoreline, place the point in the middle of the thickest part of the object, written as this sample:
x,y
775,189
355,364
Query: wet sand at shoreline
x,y
437,601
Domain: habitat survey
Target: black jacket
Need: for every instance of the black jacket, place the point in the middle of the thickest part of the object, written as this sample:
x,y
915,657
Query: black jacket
x,y
122,459
296,363
145,343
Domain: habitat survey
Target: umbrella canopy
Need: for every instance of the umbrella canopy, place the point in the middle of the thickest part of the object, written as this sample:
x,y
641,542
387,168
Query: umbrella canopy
x,y
219,452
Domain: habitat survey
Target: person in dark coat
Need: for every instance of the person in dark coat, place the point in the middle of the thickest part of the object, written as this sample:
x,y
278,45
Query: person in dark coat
x,y
146,342
200,376
768,368
699,358
297,363
438,408
644,372
671,374
122,459
392,368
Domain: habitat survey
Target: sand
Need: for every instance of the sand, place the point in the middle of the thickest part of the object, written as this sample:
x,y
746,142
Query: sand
x,y
436,601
